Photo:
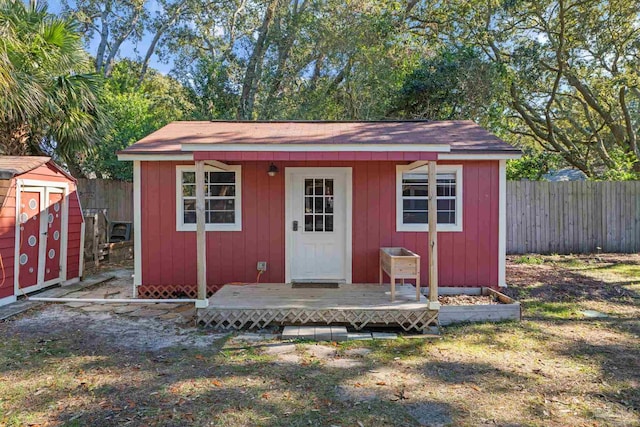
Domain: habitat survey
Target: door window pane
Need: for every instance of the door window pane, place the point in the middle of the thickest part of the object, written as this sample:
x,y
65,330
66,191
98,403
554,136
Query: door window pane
x,y
321,204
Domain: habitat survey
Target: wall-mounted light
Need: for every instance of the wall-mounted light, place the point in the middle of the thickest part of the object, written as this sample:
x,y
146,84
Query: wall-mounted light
x,y
273,170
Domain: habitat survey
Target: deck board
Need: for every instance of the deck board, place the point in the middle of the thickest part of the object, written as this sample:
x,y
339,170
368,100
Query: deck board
x,y
348,296
358,305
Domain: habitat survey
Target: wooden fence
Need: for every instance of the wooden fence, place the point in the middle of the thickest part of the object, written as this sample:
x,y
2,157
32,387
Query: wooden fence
x,y
573,217
115,196
542,217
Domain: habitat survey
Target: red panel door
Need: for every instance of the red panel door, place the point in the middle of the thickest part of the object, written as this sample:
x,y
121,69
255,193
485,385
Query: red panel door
x,y
53,236
30,215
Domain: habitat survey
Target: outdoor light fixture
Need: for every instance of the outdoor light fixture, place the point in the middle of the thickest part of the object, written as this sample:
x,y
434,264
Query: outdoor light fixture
x,y
273,170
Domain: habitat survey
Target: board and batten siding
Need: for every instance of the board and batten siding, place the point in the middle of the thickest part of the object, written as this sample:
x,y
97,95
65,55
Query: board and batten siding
x,y
7,240
573,217
467,258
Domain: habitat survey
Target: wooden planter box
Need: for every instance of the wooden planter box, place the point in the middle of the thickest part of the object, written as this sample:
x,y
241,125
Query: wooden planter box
x,y
509,309
400,263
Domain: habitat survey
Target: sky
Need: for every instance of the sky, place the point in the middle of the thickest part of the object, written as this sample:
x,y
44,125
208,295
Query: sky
x,y
128,49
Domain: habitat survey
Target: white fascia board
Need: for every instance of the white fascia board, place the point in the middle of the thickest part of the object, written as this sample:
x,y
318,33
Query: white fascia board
x,y
433,148
479,156
156,157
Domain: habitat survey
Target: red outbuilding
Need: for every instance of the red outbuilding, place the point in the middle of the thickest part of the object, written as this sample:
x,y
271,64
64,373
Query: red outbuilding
x,y
315,201
41,226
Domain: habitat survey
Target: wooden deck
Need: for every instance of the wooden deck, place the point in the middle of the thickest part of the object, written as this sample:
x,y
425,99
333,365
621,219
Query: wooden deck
x,y
356,305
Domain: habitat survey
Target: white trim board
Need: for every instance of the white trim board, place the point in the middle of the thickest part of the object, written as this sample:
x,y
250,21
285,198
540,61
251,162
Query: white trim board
x,y
348,182
455,169
479,156
156,157
188,156
373,148
236,226
137,228
502,224
8,300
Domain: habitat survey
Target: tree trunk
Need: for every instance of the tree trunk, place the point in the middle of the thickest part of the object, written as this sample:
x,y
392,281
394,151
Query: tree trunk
x,y
252,74
14,139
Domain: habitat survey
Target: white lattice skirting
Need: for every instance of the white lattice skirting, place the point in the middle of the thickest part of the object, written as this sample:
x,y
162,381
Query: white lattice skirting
x,y
358,318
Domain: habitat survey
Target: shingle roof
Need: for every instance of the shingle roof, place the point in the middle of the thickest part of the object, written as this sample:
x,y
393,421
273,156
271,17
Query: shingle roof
x,y
462,136
11,166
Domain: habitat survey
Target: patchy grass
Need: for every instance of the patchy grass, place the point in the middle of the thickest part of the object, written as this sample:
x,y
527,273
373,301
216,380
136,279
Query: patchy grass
x,y
554,368
529,259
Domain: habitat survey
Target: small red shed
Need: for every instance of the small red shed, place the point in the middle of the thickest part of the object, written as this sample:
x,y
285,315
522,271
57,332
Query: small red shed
x,y
314,201
41,226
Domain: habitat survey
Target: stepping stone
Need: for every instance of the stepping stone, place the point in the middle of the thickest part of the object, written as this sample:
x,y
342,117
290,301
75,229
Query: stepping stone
x,y
290,332
344,363
306,332
358,336
145,312
169,316
253,337
339,333
97,307
322,333
357,352
280,349
77,304
125,309
384,336
593,314
322,352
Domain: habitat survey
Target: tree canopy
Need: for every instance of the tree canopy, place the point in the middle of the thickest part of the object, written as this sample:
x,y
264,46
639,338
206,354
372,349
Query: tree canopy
x,y
557,77
50,98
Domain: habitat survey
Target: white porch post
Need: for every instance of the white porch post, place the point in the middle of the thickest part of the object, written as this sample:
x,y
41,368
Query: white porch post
x,y
201,237
433,237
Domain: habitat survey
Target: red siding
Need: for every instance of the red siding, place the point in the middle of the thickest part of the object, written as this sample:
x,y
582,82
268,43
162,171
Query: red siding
x,y
49,173
7,241
7,227
467,258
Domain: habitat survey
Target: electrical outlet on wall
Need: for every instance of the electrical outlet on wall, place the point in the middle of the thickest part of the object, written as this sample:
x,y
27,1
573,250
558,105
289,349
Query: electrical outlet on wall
x,y
262,265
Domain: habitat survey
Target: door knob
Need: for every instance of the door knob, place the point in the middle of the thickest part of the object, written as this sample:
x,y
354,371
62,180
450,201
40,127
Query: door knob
x,y
295,225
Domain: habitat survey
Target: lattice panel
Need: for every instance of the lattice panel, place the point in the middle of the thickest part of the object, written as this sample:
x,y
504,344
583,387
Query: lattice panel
x,y
259,318
173,291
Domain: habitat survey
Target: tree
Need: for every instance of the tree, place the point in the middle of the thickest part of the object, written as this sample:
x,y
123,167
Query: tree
x,y
133,112
116,22
49,97
574,74
454,84
295,60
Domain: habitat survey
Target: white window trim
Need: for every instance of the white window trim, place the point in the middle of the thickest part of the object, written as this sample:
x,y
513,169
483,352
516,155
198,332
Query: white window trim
x,y
181,226
455,169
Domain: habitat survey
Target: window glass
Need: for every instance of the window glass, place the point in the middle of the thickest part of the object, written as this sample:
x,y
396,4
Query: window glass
x,y
220,197
415,193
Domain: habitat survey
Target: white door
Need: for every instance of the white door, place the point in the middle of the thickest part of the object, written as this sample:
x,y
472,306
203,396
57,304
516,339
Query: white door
x,y
319,224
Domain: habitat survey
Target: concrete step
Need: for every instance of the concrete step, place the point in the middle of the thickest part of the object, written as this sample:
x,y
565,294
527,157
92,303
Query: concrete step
x,y
315,333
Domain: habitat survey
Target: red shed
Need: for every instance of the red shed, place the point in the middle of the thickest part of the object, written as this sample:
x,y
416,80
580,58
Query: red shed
x,y
315,201
41,226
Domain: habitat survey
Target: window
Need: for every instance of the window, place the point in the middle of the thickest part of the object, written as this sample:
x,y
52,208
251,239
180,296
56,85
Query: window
x,y
222,199
318,205
412,198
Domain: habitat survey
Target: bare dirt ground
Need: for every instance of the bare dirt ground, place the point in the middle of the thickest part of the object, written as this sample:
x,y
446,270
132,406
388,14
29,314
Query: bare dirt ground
x,y
65,365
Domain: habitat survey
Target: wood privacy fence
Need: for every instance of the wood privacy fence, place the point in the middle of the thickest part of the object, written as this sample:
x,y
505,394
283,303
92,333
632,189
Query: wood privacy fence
x,y
115,196
573,217
542,217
